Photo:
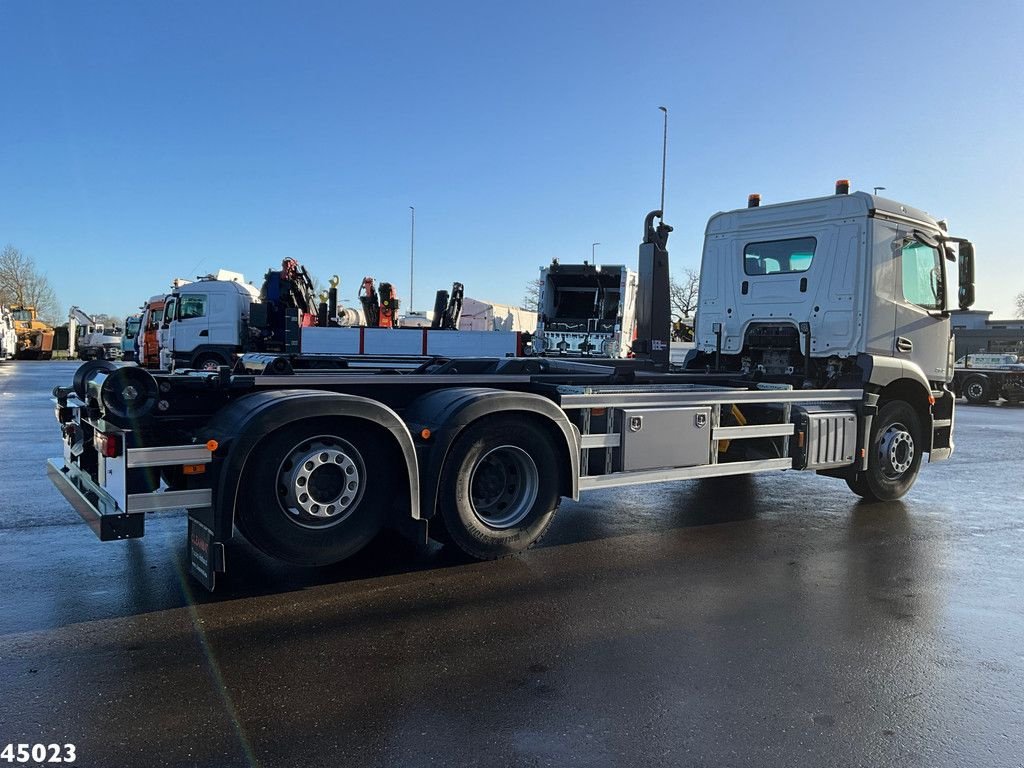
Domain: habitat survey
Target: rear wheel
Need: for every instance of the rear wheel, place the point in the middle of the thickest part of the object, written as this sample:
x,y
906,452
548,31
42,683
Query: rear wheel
x,y
976,390
894,454
307,496
500,488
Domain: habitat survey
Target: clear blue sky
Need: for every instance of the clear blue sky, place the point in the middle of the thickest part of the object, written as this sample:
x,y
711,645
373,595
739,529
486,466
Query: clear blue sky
x,y
143,141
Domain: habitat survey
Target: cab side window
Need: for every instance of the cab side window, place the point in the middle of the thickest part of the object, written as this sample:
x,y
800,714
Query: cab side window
x,y
193,305
922,275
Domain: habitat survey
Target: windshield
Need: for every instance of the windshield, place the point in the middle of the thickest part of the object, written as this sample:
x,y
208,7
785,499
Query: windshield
x,y
22,315
132,327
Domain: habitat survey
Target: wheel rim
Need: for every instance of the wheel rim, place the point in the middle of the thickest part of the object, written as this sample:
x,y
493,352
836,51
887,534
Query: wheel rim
x,y
974,390
896,451
210,365
321,481
503,486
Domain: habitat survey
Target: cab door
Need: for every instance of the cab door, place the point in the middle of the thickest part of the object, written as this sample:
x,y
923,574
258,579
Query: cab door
x,y
922,328
190,324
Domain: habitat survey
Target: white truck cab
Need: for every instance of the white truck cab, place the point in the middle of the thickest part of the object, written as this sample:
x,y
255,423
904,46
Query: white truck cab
x,y
205,322
812,284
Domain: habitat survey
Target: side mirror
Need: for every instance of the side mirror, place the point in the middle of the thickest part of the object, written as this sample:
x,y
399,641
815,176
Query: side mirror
x,y
966,275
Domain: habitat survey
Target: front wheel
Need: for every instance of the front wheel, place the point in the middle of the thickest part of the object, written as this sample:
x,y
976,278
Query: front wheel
x,y
894,454
310,496
500,487
976,391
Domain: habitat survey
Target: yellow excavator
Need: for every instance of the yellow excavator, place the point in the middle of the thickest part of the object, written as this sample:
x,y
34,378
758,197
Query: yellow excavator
x,y
35,338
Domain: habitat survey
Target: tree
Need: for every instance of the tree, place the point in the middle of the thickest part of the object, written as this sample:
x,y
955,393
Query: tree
x,y
531,301
21,283
1020,304
683,294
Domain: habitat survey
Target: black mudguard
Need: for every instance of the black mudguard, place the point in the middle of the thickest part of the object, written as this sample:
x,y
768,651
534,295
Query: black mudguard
x,y
239,426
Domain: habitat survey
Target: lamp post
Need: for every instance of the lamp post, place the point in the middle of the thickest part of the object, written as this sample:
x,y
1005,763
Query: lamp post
x,y
664,157
412,252
593,249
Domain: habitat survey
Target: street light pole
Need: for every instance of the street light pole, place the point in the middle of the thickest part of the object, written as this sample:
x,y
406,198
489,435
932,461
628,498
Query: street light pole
x,y
664,158
412,253
593,249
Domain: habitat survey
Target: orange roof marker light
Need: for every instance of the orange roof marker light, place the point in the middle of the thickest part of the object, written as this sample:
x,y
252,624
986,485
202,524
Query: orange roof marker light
x,y
843,187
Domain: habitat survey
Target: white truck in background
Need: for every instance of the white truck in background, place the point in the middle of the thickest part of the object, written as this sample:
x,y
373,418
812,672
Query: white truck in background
x,y
586,310
8,335
91,340
205,323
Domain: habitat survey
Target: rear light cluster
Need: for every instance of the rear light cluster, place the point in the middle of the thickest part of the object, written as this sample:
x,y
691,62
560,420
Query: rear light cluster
x,y
107,445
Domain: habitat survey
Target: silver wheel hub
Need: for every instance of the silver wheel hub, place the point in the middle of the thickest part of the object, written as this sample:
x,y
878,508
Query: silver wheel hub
x,y
896,451
975,389
321,481
504,486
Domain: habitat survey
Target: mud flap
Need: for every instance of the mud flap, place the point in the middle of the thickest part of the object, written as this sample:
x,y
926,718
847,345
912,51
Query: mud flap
x,y
205,555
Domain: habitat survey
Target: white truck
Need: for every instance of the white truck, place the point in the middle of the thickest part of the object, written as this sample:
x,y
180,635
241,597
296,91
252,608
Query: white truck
x,y
586,310
823,345
206,323
8,335
211,322
985,377
92,340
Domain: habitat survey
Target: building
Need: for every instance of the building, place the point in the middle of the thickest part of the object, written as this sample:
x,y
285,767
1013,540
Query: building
x,y
976,332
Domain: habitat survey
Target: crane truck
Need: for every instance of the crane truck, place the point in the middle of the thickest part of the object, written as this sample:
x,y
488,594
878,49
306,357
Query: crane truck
x,y
823,345
91,340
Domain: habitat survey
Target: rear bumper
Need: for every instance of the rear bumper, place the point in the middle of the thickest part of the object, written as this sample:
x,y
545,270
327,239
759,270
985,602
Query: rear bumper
x,y
93,504
110,520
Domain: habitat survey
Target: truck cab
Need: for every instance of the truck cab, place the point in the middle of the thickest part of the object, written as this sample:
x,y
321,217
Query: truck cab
x,y
806,287
205,323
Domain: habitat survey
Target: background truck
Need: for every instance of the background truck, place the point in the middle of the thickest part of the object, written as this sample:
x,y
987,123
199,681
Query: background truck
x,y
132,324
986,377
8,336
147,343
586,310
823,346
92,340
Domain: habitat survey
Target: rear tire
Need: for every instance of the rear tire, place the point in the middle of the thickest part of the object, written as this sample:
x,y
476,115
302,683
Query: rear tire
x,y
500,488
894,454
297,506
976,390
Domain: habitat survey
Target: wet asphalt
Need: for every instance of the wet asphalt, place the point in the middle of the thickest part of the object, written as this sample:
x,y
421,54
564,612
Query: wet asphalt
x,y
774,621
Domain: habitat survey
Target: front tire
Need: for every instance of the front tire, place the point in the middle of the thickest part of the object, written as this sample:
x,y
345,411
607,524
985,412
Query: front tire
x,y
312,497
894,454
500,488
976,391
208,361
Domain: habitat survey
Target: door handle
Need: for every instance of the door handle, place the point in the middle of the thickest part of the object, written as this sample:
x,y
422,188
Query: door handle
x,y
204,332
903,344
